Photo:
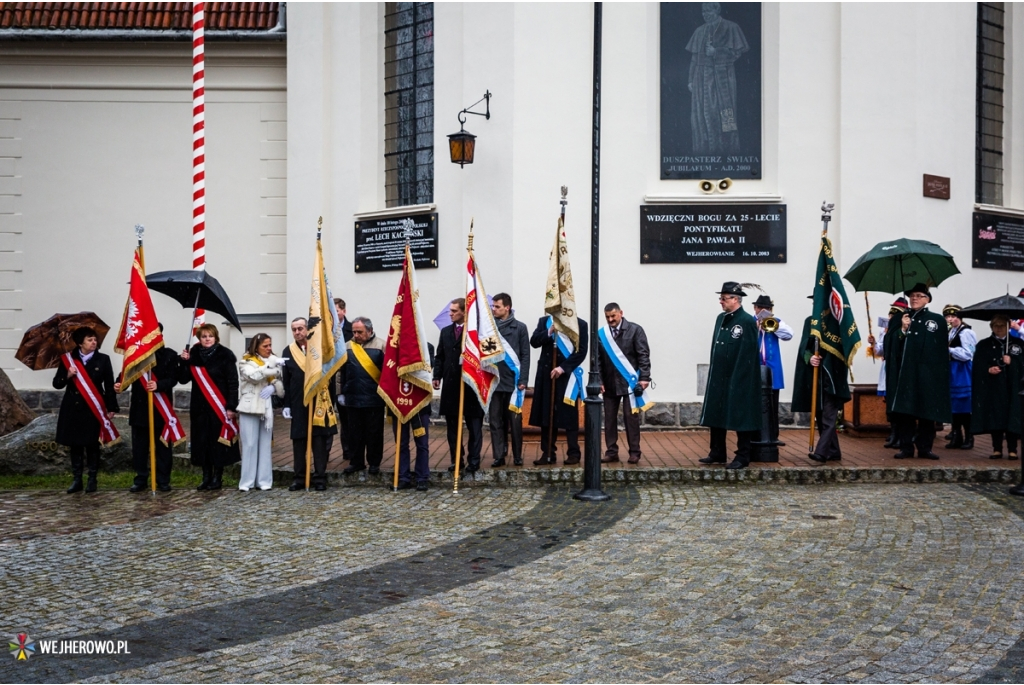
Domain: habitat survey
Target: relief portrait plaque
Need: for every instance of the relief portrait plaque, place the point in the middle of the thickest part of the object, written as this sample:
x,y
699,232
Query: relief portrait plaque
x,y
380,243
711,90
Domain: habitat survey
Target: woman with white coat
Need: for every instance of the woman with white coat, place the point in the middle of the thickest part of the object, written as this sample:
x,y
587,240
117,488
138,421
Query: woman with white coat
x,y
259,379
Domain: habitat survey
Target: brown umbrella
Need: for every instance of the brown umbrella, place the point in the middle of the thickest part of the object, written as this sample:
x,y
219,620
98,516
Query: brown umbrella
x,y
43,344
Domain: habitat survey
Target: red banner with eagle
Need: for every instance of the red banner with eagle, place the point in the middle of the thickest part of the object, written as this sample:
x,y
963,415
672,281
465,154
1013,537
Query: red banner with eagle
x,y
405,381
139,337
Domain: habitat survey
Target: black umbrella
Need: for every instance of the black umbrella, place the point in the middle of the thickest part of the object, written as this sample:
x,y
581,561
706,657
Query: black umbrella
x,y
196,289
1005,305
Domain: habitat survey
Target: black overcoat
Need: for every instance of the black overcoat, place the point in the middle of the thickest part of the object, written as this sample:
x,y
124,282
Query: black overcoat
x,y
166,372
294,378
832,374
995,402
732,399
76,424
204,424
566,415
448,370
920,358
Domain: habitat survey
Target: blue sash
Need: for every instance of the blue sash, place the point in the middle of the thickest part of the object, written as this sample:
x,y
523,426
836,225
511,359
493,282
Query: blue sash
x,y
625,369
512,360
574,389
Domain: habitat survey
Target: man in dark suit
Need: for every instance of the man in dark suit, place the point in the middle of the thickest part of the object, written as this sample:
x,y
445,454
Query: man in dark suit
x,y
632,340
165,372
448,377
343,429
567,416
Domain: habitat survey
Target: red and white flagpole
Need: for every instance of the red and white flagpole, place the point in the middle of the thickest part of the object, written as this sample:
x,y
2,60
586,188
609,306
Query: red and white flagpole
x,y
198,144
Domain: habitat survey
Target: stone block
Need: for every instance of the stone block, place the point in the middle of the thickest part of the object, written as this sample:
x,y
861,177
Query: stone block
x,y
689,413
182,399
30,397
33,450
50,399
661,414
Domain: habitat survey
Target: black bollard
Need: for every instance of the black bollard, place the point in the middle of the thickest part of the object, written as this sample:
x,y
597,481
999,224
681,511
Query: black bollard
x,y
765,448
1018,489
592,407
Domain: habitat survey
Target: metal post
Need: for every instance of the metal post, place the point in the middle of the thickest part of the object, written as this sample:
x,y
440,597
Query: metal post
x,y
766,448
591,491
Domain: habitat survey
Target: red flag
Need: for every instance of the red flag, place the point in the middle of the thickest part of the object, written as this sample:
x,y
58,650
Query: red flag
x,y
139,337
405,381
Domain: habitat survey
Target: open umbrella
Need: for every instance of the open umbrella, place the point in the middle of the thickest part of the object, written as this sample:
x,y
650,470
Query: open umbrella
x,y
1006,305
895,265
195,289
43,344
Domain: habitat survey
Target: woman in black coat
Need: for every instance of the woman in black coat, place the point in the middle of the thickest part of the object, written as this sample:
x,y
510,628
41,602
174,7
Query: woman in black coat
x,y
77,426
206,449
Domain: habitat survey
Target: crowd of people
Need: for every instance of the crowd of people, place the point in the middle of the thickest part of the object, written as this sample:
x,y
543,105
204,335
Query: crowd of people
x,y
934,371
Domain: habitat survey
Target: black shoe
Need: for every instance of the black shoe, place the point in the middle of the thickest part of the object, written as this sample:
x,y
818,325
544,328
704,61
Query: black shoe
x,y
891,443
215,485
136,488
163,488
90,485
903,454
296,486
956,442
76,485
517,462
320,487
498,462
950,435
544,461
835,458
472,468
735,464
422,486
462,467
404,485
354,469
996,455
374,471
930,455
574,461
817,457
968,443
711,460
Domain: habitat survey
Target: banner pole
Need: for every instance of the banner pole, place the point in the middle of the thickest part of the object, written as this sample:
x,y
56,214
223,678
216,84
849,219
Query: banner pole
x,y
814,399
398,447
309,439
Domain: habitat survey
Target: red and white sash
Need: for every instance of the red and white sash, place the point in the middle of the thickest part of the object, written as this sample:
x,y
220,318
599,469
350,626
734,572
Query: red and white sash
x,y
172,434
108,433
228,429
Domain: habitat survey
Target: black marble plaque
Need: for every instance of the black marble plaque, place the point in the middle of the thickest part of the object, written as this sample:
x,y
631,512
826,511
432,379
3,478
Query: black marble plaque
x,y
998,242
693,234
710,90
380,243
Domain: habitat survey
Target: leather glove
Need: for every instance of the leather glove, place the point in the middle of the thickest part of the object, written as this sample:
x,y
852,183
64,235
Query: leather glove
x,y
266,392
286,413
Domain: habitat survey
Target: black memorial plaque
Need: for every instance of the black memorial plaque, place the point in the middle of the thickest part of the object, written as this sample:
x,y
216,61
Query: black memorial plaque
x,y
998,242
702,234
380,243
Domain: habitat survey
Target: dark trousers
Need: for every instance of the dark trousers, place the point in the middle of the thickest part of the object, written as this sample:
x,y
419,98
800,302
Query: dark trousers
x,y
743,439
572,443
343,432
366,436
321,448
912,431
1011,442
503,422
962,426
80,454
422,420
775,413
828,439
472,439
611,426
140,457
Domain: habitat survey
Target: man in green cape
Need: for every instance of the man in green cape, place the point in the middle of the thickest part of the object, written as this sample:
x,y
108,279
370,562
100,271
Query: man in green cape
x,y
732,400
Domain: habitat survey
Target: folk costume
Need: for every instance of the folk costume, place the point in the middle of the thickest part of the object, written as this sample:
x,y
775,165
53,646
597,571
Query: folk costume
x,y
732,399
995,396
883,348
213,372
505,411
448,370
259,382
917,392
770,355
567,415
365,408
962,342
324,423
166,374
833,393
78,426
624,359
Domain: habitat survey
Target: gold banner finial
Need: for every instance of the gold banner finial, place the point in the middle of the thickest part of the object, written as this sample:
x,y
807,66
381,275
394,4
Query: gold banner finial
x,y
470,243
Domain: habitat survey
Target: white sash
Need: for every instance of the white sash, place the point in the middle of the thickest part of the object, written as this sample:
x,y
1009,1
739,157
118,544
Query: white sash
x,y
512,359
622,365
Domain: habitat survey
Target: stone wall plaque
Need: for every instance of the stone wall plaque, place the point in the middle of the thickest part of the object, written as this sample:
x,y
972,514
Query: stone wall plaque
x,y
936,186
695,234
998,242
380,243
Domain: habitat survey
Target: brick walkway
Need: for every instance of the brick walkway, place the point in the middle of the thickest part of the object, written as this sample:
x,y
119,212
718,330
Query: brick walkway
x,y
680,449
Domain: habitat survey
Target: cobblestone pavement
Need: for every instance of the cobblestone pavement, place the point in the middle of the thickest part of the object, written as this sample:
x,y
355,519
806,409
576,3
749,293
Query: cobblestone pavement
x,y
861,583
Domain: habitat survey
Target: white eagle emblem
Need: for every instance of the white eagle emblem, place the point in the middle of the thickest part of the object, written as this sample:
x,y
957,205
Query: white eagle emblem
x,y
736,331
1014,349
132,323
931,326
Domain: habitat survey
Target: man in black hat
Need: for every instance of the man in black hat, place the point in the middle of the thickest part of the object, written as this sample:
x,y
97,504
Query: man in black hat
x,y
917,392
883,349
768,336
732,400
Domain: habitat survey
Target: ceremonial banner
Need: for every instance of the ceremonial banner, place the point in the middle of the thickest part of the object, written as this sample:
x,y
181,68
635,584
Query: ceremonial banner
x,y
139,337
405,382
559,298
483,348
832,318
325,344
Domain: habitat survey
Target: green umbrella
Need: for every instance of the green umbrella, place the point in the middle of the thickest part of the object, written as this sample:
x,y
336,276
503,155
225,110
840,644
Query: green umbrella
x,y
895,265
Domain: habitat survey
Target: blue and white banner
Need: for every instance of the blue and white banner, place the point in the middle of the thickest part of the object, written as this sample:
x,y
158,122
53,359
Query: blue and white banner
x,y
574,389
622,365
512,359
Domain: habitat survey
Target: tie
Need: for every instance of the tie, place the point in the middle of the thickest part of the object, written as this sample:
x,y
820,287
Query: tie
x,y
615,333
458,333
